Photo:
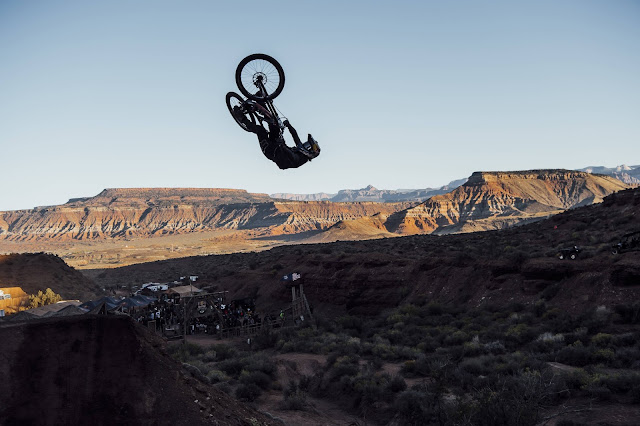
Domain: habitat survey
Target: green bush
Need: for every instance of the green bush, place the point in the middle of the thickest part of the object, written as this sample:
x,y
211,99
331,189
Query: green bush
x,y
521,333
344,366
626,357
600,392
635,394
396,384
248,392
629,313
263,341
257,378
577,379
494,347
514,399
420,367
413,407
575,354
223,352
619,383
604,355
625,339
185,352
550,292
233,367
42,299
351,324
224,387
217,376
294,400
263,364
457,338
601,340
481,365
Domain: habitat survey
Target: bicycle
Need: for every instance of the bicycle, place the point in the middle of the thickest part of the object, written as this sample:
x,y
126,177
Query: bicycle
x,y
265,76
261,79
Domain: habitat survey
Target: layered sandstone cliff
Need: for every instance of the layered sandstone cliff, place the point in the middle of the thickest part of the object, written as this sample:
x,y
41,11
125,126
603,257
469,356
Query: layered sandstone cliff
x,y
488,200
496,200
141,212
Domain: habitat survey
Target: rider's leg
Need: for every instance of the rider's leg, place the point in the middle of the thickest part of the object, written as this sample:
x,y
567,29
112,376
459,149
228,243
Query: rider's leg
x,y
254,128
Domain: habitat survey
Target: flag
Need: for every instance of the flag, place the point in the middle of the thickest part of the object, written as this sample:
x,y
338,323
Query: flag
x,y
291,277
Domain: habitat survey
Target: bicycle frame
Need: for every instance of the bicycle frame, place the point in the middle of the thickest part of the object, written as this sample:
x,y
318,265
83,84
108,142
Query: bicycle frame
x,y
267,109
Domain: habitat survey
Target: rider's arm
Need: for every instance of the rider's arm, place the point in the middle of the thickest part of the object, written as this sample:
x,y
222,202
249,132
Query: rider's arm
x,y
293,132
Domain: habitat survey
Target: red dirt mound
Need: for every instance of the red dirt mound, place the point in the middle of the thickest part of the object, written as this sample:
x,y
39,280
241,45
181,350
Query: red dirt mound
x,y
39,271
103,370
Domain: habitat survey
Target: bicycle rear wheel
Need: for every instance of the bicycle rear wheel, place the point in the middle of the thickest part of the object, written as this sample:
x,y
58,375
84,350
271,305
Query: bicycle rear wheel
x,y
235,101
260,68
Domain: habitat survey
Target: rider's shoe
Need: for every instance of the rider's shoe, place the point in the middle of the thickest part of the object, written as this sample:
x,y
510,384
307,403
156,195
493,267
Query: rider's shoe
x,y
248,106
237,112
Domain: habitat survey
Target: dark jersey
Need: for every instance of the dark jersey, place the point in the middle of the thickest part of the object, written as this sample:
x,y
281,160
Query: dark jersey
x,y
275,149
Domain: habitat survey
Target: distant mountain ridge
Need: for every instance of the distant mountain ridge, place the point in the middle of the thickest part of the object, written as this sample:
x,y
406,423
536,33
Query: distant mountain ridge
x,y
370,193
624,173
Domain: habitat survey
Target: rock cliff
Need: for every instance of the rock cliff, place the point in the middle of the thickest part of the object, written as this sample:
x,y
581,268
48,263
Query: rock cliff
x,y
496,200
139,212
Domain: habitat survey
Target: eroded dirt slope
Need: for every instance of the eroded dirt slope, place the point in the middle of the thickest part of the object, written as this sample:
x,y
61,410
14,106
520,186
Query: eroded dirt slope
x,y
38,271
103,370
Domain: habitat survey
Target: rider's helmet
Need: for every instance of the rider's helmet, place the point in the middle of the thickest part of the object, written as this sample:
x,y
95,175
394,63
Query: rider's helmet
x,y
311,146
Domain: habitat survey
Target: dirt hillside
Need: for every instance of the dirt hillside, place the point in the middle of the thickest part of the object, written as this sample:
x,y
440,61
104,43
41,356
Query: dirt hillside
x,y
38,271
100,370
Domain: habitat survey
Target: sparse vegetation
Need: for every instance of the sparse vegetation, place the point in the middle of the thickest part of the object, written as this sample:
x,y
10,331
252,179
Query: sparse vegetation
x,y
477,366
42,299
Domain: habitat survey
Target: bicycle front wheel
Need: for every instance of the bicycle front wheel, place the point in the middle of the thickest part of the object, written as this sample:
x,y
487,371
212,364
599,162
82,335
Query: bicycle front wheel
x,y
256,70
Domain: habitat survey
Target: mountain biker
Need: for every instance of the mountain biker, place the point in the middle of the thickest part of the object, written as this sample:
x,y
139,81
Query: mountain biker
x,y
273,145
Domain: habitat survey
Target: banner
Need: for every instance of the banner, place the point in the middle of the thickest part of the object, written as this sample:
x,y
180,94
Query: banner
x,y
291,277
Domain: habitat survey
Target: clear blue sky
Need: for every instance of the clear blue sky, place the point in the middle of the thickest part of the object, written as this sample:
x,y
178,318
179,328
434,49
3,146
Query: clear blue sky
x,y
402,94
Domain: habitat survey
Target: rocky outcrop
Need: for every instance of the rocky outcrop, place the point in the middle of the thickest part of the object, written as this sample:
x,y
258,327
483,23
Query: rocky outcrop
x,y
493,200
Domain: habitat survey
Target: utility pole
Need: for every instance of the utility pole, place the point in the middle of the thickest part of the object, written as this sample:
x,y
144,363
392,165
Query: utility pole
x,y
184,321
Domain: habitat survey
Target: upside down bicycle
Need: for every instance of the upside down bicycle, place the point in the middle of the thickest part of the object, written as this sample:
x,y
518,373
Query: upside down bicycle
x,y
260,79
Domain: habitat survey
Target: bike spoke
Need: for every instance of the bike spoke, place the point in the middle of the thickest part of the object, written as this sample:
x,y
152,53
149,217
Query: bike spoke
x,y
261,68
260,71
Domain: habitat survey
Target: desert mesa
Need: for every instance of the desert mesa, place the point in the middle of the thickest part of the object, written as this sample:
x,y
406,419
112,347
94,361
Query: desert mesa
x,y
135,225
